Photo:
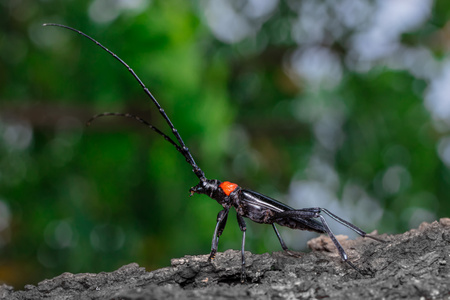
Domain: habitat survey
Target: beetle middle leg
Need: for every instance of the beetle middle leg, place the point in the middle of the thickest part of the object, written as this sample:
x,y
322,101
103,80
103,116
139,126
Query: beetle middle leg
x,y
243,228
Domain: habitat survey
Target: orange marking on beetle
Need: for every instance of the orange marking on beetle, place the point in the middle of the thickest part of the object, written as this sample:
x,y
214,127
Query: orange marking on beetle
x,y
228,187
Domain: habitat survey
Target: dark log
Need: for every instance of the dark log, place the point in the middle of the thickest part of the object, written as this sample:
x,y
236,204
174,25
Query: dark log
x,y
413,265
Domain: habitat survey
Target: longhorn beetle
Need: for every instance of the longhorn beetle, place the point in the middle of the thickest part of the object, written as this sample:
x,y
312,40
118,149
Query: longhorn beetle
x,y
247,203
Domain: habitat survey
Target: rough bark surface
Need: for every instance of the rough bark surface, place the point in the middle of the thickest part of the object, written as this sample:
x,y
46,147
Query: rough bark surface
x,y
413,265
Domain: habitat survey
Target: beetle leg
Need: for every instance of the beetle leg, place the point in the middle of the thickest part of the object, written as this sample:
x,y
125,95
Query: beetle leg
x,y
349,225
314,212
308,213
243,228
220,226
283,245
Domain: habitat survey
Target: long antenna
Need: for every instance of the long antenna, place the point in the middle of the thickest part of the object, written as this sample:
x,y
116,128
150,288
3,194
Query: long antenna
x,y
139,119
182,146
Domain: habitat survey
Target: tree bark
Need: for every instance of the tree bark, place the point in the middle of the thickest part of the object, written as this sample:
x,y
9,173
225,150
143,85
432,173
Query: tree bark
x,y
413,265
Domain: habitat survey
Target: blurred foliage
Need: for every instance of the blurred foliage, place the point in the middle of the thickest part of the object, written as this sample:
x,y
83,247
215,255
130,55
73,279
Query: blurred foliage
x,y
89,199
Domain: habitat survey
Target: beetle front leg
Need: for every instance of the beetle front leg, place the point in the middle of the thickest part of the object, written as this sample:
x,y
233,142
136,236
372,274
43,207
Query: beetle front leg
x,y
220,226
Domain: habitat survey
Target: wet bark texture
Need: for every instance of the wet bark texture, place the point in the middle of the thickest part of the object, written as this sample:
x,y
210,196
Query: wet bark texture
x,y
413,265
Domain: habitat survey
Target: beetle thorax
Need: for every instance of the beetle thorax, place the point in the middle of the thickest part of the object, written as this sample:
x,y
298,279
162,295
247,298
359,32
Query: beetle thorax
x,y
215,189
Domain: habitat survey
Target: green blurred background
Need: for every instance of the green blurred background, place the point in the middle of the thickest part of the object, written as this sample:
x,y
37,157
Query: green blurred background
x,y
338,104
